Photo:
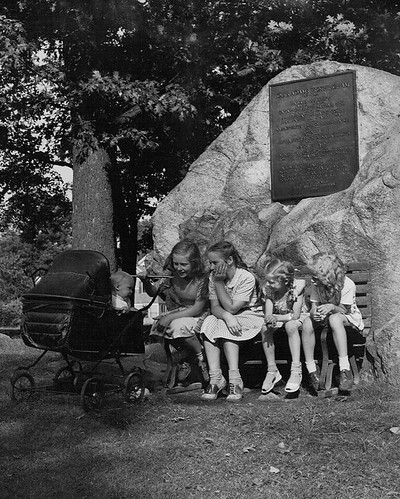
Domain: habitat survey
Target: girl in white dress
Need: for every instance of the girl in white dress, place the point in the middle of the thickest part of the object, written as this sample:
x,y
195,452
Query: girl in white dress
x,y
236,315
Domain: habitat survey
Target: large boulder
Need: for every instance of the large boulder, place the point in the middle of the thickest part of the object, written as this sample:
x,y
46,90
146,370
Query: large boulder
x,y
227,195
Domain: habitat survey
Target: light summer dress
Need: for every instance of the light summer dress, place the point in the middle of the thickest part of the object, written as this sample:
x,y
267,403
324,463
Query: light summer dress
x,y
242,287
177,299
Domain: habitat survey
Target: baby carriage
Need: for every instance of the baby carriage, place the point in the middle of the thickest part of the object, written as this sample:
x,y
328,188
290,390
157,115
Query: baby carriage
x,y
69,311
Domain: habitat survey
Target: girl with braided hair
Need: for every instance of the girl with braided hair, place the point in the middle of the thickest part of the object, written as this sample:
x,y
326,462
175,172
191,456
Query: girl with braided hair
x,y
284,298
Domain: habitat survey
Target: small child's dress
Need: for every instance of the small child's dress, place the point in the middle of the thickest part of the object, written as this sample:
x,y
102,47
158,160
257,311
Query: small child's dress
x,y
177,299
242,287
284,305
347,297
120,305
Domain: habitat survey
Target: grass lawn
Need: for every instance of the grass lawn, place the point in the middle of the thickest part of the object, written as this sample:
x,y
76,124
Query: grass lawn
x,y
180,447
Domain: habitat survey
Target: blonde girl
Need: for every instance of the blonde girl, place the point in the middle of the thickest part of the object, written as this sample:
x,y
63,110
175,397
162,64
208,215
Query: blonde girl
x,y
283,309
186,299
236,316
333,301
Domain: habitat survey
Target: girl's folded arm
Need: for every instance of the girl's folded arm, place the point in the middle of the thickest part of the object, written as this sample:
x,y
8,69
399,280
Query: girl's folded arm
x,y
193,311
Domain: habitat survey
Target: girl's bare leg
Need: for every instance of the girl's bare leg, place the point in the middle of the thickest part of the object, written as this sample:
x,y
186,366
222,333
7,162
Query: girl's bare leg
x,y
308,340
292,330
268,344
273,375
213,354
231,349
217,381
336,322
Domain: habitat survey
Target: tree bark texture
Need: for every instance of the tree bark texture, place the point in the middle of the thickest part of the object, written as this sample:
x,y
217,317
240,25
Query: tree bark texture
x,y
92,217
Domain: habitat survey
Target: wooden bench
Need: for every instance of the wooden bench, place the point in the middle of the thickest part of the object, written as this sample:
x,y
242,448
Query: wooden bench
x,y
253,361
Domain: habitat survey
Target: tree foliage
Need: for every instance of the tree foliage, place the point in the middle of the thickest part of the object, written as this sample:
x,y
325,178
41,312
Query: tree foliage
x,y
153,82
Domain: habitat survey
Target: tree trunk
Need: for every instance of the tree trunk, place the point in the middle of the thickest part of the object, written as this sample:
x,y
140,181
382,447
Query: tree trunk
x,y
92,216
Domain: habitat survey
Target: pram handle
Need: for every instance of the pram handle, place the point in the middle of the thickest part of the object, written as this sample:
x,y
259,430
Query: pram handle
x,y
154,276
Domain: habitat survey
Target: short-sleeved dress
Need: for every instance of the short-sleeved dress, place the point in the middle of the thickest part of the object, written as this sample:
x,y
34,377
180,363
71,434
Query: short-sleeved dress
x,y
242,287
285,304
177,299
347,297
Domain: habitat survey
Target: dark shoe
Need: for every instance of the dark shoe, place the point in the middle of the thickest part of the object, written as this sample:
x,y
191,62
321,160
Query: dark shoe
x,y
235,392
184,369
345,380
212,390
204,370
313,380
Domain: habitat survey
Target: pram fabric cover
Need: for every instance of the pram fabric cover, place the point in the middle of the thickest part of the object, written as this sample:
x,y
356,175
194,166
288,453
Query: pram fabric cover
x,y
70,311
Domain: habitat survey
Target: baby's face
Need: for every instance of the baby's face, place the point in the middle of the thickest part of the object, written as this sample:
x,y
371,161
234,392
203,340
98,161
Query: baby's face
x,y
124,289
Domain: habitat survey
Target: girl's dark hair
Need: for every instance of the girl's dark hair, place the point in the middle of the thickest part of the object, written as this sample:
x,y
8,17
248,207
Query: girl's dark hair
x,y
281,270
226,249
192,252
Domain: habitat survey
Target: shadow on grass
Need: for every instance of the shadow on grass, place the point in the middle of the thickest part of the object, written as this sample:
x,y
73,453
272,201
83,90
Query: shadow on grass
x,y
180,446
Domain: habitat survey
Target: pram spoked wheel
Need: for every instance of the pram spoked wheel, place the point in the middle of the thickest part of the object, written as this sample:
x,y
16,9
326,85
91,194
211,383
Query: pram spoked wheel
x,y
92,395
134,387
68,374
22,386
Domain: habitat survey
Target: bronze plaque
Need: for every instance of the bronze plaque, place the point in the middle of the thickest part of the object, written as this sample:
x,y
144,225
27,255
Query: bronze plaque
x,y
314,140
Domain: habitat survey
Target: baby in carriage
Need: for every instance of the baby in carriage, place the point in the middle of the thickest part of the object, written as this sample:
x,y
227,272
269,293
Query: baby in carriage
x,y
122,285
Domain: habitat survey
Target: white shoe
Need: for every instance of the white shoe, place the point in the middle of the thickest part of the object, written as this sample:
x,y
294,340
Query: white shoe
x,y
293,384
271,379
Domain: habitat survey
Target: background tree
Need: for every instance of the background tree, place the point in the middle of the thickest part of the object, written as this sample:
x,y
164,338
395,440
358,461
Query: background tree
x,y
133,91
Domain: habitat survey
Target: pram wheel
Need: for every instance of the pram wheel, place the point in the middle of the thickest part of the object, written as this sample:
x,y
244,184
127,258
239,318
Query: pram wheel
x,y
92,395
22,386
134,387
68,374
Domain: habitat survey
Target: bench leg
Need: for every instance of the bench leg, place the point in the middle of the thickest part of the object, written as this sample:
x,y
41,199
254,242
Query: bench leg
x,y
325,358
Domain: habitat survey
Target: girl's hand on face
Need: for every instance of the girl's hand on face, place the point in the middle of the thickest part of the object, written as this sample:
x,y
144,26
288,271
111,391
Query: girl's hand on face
x,y
270,320
221,272
233,326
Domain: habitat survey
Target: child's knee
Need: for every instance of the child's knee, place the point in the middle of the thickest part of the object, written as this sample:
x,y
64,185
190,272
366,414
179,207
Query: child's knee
x,y
291,328
308,327
336,320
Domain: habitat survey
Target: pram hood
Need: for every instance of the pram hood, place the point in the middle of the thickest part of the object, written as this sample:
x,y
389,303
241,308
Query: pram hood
x,y
81,274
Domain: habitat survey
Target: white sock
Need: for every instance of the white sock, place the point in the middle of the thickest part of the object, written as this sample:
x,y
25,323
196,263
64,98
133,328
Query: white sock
x,y
311,366
215,376
234,377
272,368
344,363
295,367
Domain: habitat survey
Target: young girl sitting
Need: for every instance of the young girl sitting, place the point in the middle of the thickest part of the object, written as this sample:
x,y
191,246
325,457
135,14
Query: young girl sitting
x,y
333,299
283,308
186,299
236,316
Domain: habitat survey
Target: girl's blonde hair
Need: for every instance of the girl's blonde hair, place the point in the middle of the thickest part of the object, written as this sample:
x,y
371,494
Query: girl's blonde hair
x,y
330,271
